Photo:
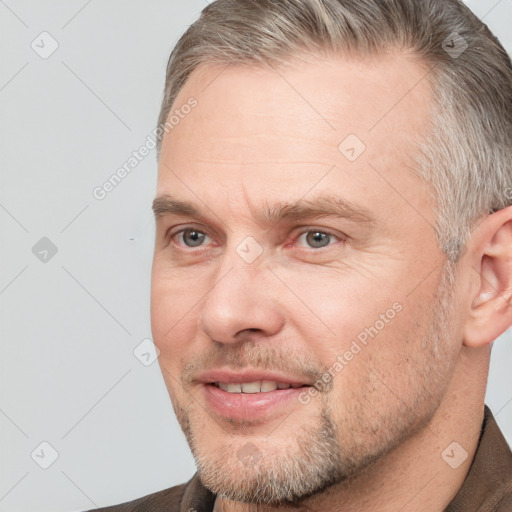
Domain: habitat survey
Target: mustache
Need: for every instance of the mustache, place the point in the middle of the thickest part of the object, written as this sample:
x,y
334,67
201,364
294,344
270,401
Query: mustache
x,y
255,355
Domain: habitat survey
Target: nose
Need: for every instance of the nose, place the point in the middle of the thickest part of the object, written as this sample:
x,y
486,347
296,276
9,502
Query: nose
x,y
243,300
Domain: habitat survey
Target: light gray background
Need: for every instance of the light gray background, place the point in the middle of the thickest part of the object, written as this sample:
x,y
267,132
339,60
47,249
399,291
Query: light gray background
x,y
68,327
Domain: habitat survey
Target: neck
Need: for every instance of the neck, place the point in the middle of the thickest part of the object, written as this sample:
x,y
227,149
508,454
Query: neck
x,y
416,475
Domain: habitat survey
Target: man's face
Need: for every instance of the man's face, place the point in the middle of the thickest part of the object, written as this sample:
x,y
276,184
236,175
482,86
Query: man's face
x,y
249,289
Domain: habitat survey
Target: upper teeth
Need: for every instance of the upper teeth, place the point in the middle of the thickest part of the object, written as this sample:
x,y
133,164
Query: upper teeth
x,y
259,386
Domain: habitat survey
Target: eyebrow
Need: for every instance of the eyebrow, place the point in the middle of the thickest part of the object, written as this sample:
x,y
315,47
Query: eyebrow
x,y
321,206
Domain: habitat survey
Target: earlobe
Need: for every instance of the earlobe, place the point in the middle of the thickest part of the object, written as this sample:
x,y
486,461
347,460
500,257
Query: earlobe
x,y
491,307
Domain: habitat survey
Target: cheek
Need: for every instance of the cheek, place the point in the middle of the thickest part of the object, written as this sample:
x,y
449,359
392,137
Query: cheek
x,y
395,357
385,373
174,295
338,308
175,304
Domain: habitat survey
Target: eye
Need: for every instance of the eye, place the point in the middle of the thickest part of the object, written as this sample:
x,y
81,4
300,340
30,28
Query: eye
x,y
317,239
190,237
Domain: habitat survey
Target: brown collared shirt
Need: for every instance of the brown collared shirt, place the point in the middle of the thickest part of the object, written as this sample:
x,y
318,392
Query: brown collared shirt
x,y
487,488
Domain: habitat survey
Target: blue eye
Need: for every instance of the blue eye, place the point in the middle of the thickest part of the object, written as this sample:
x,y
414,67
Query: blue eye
x,y
192,237
312,239
317,239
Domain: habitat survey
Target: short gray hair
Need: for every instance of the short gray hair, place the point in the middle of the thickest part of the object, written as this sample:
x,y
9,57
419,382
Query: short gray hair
x,y
466,154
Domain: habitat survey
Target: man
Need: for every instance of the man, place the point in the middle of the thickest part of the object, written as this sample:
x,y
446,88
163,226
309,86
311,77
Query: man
x,y
333,256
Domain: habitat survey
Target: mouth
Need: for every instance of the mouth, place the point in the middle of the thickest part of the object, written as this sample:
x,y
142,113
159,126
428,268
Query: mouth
x,y
254,401
258,386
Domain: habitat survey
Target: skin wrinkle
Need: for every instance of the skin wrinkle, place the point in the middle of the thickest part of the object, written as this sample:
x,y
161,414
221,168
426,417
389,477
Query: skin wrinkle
x,y
354,442
319,450
319,207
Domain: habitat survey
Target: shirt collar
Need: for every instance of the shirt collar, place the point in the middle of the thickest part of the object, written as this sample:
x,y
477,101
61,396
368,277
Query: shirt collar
x,y
489,479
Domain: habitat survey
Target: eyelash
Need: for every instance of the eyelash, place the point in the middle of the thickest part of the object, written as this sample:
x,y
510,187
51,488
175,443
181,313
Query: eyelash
x,y
172,236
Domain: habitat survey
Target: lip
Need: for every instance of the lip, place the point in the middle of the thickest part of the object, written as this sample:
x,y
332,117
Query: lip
x,y
250,406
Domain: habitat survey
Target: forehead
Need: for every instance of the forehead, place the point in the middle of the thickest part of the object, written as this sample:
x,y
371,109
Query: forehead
x,y
289,124
345,92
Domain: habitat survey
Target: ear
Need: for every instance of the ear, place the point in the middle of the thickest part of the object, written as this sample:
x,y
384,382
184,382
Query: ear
x,y
491,308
